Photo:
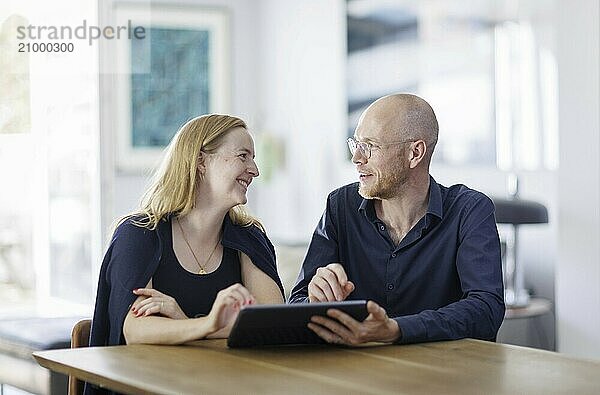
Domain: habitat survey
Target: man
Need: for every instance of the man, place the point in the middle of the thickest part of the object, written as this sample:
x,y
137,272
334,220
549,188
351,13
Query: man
x,y
426,255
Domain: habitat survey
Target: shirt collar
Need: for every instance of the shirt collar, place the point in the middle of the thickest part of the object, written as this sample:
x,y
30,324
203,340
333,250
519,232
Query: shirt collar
x,y
434,207
368,209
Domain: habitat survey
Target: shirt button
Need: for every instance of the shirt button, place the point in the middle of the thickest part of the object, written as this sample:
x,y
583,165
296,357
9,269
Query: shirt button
x,y
390,286
381,227
394,255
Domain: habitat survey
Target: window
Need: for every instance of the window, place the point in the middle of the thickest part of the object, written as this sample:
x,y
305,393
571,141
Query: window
x,y
49,216
487,73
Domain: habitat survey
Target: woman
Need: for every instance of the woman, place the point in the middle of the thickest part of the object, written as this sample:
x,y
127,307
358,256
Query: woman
x,y
174,270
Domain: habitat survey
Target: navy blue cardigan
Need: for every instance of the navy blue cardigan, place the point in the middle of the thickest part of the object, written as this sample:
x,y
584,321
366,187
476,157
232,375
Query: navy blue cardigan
x,y
133,257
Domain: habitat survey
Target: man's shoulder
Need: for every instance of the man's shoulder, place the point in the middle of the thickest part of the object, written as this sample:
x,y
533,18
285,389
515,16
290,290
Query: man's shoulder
x,y
462,192
461,197
346,194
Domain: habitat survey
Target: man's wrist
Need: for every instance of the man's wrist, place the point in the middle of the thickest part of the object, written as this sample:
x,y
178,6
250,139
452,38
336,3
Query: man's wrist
x,y
394,331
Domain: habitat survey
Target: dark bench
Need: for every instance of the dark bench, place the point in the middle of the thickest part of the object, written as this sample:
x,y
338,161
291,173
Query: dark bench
x,y
19,337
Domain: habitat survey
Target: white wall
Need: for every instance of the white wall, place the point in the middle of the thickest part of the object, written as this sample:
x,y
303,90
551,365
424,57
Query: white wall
x,y
121,191
302,100
578,267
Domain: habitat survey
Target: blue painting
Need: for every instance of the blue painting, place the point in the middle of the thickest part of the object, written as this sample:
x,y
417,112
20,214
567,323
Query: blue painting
x,y
174,87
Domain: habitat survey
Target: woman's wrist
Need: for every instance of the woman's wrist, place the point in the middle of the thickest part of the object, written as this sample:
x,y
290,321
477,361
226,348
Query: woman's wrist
x,y
209,325
181,316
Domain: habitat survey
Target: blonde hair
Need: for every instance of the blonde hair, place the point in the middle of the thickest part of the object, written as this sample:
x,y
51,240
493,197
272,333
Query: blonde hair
x,y
174,185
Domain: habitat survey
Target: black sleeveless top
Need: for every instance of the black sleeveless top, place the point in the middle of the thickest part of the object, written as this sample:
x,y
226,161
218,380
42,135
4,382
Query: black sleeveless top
x,y
195,293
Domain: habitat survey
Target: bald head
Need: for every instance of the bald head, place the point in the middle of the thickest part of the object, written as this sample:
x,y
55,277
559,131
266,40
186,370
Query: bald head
x,y
405,117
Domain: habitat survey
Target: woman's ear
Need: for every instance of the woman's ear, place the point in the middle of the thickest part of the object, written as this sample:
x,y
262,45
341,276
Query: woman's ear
x,y
201,163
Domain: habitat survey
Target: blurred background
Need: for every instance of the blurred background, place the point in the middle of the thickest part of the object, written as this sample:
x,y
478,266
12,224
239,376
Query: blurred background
x,y
514,83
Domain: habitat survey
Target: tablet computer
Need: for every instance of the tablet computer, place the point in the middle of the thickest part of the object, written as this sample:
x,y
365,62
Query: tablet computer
x,y
277,324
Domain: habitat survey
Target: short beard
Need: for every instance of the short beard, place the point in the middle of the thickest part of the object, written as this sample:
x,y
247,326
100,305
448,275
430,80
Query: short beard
x,y
388,186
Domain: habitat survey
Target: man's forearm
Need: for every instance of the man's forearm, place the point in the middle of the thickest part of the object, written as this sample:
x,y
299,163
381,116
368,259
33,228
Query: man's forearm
x,y
478,316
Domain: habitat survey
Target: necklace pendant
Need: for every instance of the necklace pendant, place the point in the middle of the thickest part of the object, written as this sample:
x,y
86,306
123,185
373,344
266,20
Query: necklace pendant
x,y
202,271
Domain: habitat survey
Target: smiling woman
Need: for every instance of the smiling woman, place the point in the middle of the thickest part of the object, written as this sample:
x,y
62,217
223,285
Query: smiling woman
x,y
181,267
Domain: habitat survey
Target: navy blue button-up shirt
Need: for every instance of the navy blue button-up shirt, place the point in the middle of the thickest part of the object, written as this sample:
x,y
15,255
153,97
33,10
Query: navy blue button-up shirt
x,y
443,281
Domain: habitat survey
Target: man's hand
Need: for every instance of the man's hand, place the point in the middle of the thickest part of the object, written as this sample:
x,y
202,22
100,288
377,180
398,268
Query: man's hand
x,y
329,284
343,329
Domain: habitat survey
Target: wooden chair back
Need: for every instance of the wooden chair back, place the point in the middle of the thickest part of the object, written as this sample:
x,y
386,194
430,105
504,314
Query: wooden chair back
x,y
80,337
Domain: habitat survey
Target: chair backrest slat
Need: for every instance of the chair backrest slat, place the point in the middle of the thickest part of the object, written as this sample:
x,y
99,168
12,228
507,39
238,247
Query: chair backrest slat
x,y
80,337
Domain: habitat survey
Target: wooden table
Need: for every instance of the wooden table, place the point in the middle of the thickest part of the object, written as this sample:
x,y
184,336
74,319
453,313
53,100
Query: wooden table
x,y
456,367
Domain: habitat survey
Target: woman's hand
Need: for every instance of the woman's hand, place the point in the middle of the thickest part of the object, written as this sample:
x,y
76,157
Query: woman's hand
x,y
227,305
156,303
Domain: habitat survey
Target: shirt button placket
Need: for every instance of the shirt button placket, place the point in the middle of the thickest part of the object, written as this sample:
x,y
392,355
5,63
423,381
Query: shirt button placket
x,y
390,286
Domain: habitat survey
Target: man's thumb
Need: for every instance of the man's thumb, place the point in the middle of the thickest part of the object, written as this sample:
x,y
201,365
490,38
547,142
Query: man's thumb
x,y
349,287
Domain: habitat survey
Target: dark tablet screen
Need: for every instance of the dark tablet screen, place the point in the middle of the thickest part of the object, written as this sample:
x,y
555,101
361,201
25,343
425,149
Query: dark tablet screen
x,y
275,324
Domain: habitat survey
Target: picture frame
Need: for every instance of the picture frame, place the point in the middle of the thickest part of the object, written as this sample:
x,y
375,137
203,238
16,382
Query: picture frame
x,y
178,71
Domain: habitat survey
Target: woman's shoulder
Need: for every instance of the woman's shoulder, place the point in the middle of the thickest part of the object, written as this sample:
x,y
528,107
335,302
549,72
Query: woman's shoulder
x,y
253,241
249,230
134,229
133,249
131,224
250,236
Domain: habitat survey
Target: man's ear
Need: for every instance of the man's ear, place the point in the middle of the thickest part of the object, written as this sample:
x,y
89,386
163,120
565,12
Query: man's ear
x,y
417,153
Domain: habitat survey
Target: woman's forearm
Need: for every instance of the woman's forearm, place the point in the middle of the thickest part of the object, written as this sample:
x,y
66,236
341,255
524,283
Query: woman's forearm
x,y
222,333
161,330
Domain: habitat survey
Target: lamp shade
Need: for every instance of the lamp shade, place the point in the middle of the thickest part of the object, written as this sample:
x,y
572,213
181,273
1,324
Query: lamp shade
x,y
518,211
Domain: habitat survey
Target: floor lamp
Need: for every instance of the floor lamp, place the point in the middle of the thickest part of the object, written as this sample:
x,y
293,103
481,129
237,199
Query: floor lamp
x,y
516,212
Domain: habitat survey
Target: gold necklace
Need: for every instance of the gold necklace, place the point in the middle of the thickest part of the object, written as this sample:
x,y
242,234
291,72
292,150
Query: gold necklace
x,y
202,270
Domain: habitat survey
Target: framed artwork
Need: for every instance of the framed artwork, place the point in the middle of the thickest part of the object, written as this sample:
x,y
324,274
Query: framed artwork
x,y
177,71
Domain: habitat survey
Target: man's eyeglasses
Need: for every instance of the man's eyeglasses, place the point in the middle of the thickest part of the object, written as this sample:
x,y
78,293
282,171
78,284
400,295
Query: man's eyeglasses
x,y
365,148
